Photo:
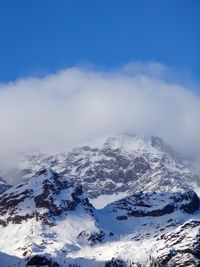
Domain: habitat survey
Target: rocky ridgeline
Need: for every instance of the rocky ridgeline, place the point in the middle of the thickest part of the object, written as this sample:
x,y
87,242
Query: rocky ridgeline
x,y
154,204
40,198
121,164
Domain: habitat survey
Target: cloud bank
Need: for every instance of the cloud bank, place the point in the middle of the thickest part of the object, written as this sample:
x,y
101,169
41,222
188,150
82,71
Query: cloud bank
x,y
75,105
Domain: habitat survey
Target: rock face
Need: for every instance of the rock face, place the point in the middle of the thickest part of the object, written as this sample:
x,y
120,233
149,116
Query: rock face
x,y
123,163
92,238
41,261
42,212
154,204
182,246
45,195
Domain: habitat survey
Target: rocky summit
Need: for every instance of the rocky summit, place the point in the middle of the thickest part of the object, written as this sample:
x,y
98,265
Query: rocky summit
x,y
120,164
124,201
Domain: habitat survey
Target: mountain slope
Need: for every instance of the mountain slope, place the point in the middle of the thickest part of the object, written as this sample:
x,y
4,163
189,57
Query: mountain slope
x,y
33,215
148,212
47,218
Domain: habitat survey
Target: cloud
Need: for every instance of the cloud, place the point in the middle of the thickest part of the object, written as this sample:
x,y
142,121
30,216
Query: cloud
x,y
75,105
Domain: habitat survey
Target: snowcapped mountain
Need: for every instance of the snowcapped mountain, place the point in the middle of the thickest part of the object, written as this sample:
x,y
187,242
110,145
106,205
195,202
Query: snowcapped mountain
x,y
33,215
145,211
155,228
47,219
116,166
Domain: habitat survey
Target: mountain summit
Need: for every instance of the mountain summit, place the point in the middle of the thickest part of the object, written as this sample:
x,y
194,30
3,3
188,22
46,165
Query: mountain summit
x,y
118,165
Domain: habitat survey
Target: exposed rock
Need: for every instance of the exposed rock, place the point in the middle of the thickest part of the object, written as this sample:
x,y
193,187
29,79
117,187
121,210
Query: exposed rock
x,y
123,163
41,261
41,192
93,237
155,204
182,246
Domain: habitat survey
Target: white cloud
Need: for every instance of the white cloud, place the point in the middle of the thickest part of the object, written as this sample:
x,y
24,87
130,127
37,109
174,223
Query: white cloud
x,y
75,105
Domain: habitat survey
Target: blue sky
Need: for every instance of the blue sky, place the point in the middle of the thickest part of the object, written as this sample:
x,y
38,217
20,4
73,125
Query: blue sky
x,y
153,46
42,36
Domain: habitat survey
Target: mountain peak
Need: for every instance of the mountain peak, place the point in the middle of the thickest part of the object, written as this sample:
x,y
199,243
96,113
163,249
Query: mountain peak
x,y
43,196
120,164
131,142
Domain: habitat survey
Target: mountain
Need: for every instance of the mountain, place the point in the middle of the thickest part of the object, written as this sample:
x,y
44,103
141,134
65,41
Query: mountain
x,y
33,215
118,166
155,228
48,220
123,201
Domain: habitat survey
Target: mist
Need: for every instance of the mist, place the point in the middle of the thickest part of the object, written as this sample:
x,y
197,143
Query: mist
x,y
76,105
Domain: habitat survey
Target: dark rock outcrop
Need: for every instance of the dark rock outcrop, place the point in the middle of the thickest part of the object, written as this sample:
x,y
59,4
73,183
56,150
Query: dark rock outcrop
x,y
39,198
154,204
38,260
93,237
182,246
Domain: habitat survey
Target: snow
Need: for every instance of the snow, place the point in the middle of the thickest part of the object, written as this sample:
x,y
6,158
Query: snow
x,y
103,200
133,238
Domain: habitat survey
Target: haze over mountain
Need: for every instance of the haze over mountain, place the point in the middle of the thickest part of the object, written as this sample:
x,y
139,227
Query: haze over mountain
x,y
121,163
104,170
76,105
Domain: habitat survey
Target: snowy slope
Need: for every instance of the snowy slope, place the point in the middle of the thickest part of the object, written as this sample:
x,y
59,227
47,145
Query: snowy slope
x,y
33,215
138,225
49,218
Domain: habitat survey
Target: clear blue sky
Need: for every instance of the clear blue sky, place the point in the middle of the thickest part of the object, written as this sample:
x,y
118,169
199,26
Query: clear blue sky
x,y
42,36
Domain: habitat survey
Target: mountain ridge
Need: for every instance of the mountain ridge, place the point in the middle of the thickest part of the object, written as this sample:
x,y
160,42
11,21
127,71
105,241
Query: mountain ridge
x,y
49,218
119,165
149,213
